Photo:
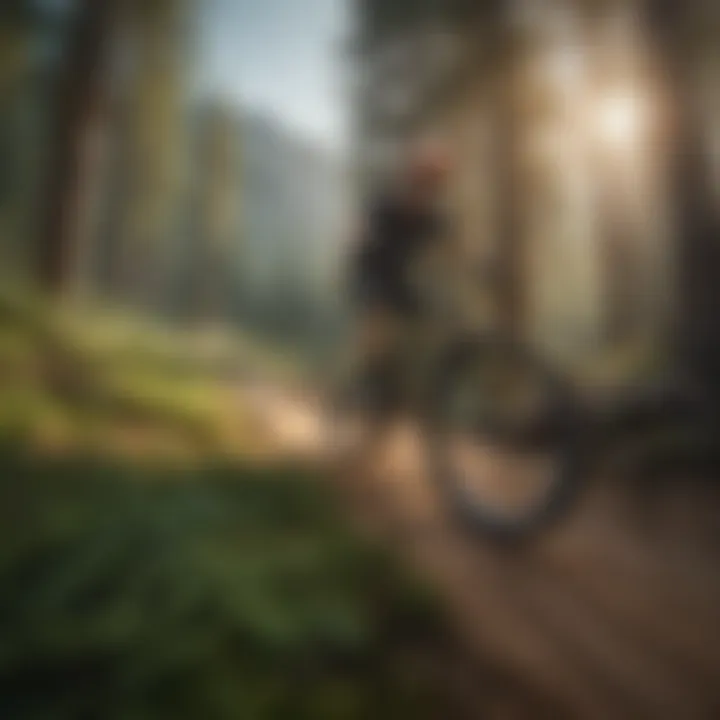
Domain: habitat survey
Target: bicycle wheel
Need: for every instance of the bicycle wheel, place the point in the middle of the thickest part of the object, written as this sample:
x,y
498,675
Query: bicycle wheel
x,y
505,436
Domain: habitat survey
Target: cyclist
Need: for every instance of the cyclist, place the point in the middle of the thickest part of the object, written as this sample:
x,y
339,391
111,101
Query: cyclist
x,y
402,226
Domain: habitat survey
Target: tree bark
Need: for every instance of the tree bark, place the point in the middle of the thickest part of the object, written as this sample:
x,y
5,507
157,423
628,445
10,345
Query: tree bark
x,y
511,246
697,331
78,91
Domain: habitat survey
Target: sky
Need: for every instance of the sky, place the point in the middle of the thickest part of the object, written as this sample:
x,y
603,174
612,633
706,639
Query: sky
x,y
280,56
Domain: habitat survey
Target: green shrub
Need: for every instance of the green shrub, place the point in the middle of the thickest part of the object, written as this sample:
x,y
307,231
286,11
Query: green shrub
x,y
219,593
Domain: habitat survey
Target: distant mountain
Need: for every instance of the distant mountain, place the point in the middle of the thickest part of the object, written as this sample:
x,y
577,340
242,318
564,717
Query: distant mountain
x,y
294,199
283,243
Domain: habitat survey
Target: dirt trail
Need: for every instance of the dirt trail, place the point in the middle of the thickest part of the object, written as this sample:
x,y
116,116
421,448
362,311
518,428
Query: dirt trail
x,y
615,613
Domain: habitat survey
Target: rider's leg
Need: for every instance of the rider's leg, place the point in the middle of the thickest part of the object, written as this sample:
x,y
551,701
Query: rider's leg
x,y
378,369
376,342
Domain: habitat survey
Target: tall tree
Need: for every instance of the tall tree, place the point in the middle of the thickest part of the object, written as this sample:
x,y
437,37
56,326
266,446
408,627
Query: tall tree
x,y
685,33
29,31
78,94
219,201
152,134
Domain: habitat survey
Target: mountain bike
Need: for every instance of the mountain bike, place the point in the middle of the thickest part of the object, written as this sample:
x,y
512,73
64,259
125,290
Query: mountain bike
x,y
508,438
501,428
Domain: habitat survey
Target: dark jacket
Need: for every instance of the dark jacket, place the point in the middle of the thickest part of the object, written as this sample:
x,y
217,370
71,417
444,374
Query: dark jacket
x,y
396,235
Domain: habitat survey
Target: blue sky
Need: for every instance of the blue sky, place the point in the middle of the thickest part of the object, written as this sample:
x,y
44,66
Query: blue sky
x,y
281,56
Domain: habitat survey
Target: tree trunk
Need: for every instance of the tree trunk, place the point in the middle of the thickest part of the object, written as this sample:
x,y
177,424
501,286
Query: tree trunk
x,y
697,334
511,247
78,91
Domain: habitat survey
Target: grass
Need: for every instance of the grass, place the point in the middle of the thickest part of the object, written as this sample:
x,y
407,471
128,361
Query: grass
x,y
150,570
216,593
76,380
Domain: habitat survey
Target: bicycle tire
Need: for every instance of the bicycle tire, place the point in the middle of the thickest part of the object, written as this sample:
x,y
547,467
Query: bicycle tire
x,y
570,450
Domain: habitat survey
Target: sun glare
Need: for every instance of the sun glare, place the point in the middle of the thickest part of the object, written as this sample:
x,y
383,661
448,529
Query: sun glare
x,y
619,119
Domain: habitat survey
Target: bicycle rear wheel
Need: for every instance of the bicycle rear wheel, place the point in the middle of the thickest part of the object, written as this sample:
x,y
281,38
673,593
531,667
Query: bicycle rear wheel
x,y
505,437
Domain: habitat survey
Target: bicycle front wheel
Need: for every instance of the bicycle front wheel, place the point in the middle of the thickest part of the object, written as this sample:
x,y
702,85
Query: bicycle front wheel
x,y
505,437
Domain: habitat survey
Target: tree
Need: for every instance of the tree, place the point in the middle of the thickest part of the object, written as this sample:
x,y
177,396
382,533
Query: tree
x,y
26,26
78,98
218,210
152,133
685,33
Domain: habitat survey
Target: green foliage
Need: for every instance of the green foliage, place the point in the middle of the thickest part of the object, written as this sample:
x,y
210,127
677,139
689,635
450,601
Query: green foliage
x,y
77,374
224,594
192,591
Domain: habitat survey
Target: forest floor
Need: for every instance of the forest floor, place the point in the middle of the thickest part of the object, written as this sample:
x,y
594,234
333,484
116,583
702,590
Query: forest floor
x,y
168,553
615,613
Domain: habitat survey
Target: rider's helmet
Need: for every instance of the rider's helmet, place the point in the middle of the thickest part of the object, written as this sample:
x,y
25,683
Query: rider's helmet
x,y
428,162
